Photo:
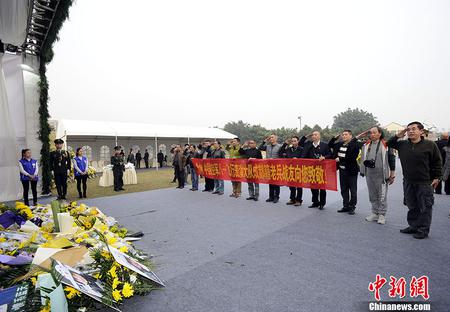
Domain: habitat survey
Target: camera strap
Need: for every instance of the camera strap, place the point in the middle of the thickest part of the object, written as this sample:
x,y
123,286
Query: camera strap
x,y
376,151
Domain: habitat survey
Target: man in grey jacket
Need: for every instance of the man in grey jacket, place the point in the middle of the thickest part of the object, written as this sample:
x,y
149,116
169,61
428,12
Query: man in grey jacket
x,y
378,166
272,149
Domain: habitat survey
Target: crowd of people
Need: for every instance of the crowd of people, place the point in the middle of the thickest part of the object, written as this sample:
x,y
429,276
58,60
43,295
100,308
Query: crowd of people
x,y
425,166
136,158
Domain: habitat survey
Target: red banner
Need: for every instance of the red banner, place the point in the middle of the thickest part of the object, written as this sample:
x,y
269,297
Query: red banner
x,y
307,173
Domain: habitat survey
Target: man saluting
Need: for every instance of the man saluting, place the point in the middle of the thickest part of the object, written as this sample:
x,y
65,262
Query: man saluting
x,y
60,167
422,172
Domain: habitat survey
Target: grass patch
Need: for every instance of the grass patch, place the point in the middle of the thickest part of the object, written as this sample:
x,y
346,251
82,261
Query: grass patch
x,y
148,179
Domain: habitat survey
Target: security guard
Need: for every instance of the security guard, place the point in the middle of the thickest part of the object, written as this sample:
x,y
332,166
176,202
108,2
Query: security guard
x,y
60,166
118,163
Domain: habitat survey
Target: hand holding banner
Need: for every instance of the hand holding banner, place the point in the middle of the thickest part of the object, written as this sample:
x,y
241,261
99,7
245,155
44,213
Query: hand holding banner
x,y
296,172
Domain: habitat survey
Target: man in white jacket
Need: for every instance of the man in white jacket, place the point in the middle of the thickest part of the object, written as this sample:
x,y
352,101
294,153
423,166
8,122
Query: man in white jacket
x,y
378,166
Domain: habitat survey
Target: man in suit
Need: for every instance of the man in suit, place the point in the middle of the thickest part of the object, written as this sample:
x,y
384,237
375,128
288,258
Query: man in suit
x,y
160,157
314,148
146,157
60,166
138,159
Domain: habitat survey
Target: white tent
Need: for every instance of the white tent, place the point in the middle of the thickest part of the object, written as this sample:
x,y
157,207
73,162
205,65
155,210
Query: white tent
x,y
69,127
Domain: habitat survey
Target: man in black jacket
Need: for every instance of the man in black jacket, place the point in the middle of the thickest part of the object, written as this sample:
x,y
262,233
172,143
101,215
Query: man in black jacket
x,y
292,149
146,157
441,143
138,159
60,166
346,153
206,153
422,172
314,148
250,151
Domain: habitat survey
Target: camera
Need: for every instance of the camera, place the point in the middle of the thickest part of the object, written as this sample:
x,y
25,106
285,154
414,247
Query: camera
x,y
369,163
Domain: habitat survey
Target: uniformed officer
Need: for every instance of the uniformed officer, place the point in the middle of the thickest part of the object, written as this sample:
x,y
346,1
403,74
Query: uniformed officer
x,y
60,166
118,163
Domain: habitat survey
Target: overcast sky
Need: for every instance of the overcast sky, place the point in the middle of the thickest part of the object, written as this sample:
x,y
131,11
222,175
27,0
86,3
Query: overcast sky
x,y
267,62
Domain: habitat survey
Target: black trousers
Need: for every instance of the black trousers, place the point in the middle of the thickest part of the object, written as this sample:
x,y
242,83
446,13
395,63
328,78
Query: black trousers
x,y
146,163
296,193
446,186
138,164
61,184
118,179
180,177
419,199
160,164
82,179
274,191
319,197
26,189
209,184
174,174
349,189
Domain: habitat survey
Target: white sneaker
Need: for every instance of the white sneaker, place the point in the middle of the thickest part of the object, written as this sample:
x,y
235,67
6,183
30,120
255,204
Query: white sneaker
x,y
381,219
372,217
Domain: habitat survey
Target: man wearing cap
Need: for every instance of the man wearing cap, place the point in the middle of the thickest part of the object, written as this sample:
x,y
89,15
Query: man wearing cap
x,y
118,163
60,166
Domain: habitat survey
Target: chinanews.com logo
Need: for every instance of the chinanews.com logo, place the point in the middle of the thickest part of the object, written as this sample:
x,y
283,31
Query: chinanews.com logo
x,y
400,288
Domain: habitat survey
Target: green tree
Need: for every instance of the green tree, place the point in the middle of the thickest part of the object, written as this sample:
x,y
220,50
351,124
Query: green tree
x,y
356,120
245,131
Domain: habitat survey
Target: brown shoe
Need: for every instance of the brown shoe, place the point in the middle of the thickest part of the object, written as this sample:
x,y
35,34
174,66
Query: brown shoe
x,y
291,202
298,203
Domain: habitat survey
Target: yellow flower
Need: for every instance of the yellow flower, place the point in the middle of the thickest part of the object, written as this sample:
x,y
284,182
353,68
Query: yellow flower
x,y
78,240
97,275
103,228
123,249
45,308
33,280
2,239
106,255
113,272
73,204
127,290
93,211
115,283
112,240
116,295
72,292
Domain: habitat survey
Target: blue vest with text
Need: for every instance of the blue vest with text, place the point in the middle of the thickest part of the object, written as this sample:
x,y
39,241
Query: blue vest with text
x,y
29,166
81,164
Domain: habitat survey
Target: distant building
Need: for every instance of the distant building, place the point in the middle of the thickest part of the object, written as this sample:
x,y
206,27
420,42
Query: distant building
x,y
393,128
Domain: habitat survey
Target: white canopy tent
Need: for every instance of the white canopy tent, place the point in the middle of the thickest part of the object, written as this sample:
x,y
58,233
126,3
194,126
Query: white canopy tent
x,y
97,138
69,127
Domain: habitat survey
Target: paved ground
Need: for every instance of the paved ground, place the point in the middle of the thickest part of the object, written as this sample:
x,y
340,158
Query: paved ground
x,y
223,254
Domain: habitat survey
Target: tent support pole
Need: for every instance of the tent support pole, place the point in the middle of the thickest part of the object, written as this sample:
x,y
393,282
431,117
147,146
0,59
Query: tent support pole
x,y
156,153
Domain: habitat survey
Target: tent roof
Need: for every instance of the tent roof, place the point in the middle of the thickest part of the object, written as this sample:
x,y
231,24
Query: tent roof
x,y
133,129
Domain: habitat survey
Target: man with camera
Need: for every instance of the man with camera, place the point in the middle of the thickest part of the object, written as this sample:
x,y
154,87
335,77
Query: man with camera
x,y
378,166
422,171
